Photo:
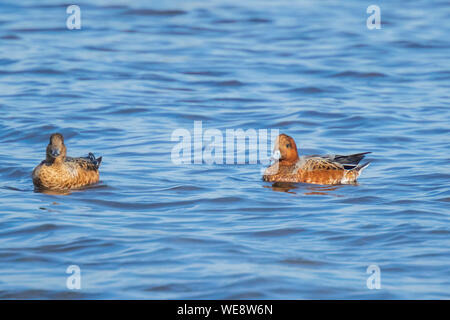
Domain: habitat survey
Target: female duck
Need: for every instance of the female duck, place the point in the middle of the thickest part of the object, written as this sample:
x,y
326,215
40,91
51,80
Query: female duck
x,y
60,172
330,169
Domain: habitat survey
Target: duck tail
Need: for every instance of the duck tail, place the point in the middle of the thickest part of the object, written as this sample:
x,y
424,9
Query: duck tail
x,y
353,174
98,160
95,161
360,168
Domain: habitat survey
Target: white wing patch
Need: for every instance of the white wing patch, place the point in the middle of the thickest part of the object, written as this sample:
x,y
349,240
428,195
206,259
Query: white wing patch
x,y
299,164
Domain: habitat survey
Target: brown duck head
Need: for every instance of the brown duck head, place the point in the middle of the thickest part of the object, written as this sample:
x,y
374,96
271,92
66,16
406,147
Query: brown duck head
x,y
285,149
56,150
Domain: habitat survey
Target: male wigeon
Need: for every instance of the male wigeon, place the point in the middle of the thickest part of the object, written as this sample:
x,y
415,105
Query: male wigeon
x,y
60,172
329,169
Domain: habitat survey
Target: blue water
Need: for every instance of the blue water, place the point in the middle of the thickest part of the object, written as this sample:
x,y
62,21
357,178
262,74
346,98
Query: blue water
x,y
155,230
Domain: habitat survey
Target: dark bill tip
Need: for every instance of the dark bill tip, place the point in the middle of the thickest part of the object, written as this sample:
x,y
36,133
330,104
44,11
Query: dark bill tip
x,y
55,152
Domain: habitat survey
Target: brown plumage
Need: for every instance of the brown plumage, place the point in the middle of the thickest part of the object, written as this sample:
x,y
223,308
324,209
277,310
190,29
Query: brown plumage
x,y
59,172
330,169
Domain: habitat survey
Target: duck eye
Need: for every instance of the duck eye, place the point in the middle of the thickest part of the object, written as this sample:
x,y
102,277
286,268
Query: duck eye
x,y
288,145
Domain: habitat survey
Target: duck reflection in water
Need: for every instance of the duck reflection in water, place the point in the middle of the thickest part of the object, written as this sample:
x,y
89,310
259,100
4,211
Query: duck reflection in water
x,y
310,189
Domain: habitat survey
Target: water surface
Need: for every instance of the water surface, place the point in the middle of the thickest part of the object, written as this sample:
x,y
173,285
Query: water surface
x,y
155,230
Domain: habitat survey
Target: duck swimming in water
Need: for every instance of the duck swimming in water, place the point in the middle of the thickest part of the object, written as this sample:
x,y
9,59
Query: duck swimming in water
x,y
60,172
329,169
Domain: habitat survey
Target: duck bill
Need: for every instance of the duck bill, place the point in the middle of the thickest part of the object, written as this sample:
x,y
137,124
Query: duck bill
x,y
276,155
55,152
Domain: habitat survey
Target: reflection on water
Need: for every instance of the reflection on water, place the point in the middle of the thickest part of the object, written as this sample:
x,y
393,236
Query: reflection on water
x,y
283,187
53,192
137,71
324,190
302,187
57,192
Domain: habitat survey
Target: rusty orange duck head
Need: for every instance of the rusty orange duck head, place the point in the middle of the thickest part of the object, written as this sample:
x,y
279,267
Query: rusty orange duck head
x,y
56,150
285,149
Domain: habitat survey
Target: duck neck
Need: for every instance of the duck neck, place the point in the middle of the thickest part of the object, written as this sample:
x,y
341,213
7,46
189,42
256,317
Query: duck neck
x,y
54,161
288,162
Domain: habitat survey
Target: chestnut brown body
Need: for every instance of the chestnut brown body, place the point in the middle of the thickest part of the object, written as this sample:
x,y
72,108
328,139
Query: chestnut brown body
x,y
289,167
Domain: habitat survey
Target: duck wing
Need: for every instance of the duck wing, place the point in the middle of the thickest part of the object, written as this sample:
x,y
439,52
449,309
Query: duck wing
x,y
346,162
333,162
311,163
350,159
88,163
